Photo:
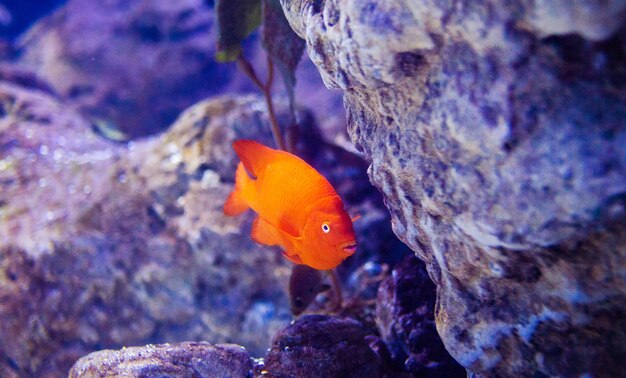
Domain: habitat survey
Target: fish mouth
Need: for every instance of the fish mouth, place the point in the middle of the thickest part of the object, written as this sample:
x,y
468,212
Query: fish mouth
x,y
348,248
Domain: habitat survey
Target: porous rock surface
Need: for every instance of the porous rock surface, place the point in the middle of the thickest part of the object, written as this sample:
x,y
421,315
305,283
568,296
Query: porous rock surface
x,y
322,346
201,360
496,133
105,245
312,346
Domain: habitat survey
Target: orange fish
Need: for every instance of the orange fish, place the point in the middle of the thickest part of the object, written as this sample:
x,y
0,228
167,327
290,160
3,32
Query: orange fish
x,y
298,208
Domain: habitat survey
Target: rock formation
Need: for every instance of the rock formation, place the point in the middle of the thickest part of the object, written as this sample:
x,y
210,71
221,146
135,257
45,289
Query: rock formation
x,y
322,346
106,245
405,318
496,133
178,360
136,65
116,60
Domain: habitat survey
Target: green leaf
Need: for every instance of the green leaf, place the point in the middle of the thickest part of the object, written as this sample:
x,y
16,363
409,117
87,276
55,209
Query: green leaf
x,y
236,19
283,45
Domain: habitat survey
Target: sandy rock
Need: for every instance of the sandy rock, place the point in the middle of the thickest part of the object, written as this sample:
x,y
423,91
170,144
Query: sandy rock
x,y
496,138
201,360
592,19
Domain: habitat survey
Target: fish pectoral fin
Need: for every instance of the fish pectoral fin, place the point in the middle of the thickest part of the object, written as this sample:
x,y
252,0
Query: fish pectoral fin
x,y
263,232
293,258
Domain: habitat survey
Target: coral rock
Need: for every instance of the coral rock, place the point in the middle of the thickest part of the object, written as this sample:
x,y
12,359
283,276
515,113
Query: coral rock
x,y
497,139
134,65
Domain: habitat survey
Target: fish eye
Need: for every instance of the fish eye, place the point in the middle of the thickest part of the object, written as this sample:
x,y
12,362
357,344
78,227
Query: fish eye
x,y
325,228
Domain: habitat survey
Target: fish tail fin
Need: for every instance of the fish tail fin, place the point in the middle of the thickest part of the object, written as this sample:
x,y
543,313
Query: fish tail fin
x,y
255,156
235,203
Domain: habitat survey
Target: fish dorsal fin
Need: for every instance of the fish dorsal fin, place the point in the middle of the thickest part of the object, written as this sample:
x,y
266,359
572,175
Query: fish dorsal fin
x,y
255,156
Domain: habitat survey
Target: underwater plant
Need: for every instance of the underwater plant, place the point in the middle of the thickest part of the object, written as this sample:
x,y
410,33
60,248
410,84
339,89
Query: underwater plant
x,y
236,20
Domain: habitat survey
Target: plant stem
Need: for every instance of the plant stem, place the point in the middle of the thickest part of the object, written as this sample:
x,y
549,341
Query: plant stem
x,y
337,288
278,137
266,88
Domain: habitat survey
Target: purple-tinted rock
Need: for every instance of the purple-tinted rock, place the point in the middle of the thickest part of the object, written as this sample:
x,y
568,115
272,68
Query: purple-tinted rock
x,y
321,346
201,360
405,314
136,64
14,74
105,245
496,134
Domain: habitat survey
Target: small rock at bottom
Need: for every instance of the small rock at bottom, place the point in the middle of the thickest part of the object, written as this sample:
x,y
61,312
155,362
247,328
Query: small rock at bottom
x,y
167,360
321,346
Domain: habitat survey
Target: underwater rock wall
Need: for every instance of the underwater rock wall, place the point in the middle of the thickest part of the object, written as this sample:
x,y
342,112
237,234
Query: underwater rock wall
x,y
406,322
496,133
